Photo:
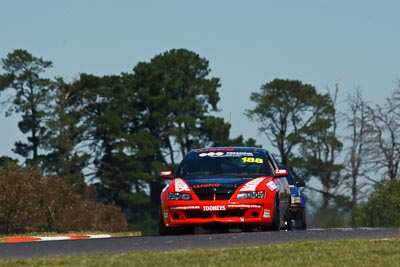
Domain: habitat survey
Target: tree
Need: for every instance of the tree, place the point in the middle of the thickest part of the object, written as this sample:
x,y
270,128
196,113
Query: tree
x,y
5,160
66,155
301,124
104,109
215,132
123,153
176,97
31,97
382,209
356,160
284,109
320,146
384,135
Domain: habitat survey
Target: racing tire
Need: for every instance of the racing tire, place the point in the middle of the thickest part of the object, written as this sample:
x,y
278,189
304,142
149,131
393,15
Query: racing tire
x,y
288,220
185,231
303,220
164,230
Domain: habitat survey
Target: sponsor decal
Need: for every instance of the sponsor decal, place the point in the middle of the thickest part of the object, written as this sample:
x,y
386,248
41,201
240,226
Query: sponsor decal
x,y
185,208
230,154
219,149
229,185
267,214
247,156
252,185
181,186
206,185
214,208
239,154
246,206
211,154
272,186
165,213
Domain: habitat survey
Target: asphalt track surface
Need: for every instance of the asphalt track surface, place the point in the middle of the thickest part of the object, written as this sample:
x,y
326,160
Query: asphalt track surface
x,y
42,249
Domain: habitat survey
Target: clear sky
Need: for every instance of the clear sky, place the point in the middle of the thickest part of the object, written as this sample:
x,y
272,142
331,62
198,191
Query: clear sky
x,y
248,43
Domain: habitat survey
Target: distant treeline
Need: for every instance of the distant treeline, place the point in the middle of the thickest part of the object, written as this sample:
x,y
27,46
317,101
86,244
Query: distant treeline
x,y
117,132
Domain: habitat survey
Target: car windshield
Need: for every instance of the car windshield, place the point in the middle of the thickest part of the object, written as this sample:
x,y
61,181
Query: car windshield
x,y
224,163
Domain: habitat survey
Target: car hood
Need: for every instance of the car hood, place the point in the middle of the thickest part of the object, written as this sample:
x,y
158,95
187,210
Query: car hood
x,y
216,182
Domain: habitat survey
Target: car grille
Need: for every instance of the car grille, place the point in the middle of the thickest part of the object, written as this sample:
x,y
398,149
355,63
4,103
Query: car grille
x,y
219,214
214,193
218,196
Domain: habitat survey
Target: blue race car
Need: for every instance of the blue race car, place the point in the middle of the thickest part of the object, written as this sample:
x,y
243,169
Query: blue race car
x,y
298,200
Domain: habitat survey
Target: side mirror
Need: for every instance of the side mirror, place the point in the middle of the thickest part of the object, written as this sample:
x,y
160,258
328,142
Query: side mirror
x,y
281,173
300,184
166,174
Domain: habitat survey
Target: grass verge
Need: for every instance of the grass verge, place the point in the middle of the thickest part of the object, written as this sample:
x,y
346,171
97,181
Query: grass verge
x,y
306,253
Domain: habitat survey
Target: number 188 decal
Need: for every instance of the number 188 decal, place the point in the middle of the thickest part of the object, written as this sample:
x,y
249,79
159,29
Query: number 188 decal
x,y
251,160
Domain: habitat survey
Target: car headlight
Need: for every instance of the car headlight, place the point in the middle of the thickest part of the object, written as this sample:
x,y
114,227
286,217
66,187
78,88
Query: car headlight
x,y
179,196
251,195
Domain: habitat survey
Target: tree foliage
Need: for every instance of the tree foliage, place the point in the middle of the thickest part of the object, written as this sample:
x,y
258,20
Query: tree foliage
x,y
31,97
285,111
356,160
301,124
320,147
383,209
31,202
65,154
383,144
177,97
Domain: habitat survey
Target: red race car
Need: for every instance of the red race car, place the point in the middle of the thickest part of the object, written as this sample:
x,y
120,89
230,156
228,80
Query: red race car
x,y
224,188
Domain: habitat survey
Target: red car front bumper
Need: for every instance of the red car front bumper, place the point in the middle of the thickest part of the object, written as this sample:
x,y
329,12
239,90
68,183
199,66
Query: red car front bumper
x,y
187,213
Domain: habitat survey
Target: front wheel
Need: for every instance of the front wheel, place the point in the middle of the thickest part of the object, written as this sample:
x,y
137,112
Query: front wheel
x,y
288,220
303,220
164,230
